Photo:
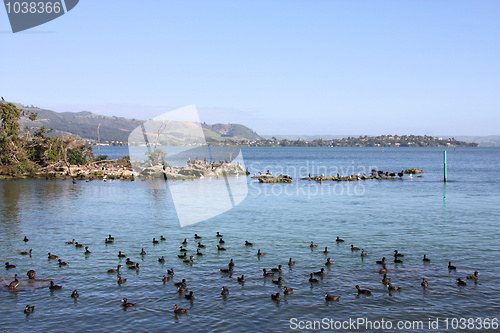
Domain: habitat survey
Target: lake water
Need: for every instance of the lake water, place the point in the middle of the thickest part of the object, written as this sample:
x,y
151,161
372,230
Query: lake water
x,y
457,221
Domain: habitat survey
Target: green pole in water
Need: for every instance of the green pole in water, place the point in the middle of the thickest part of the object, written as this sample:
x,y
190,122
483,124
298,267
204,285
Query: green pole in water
x,y
445,171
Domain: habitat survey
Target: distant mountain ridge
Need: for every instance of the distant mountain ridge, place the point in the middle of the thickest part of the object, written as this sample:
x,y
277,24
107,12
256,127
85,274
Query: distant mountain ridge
x,y
85,123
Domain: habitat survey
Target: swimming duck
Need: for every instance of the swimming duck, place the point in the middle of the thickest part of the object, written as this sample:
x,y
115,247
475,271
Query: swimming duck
x,y
121,255
190,260
108,241
474,276
127,304
363,291
165,278
247,243
25,239
13,285
62,263
397,254
182,256
354,248
218,235
182,289
26,253
120,280
170,271
182,283
460,282
267,273
313,245
332,298
290,262
162,238
52,256
311,279
71,242
326,250
198,253
328,262
113,270
277,270
381,262
182,249
31,274
219,248
363,253
190,296
78,244
75,294
111,237
155,241
29,309
129,262
9,266
178,310
87,251
54,286
321,272
451,267
425,259
386,280
424,283
261,253
136,267
241,279
143,253
196,236
162,259
279,281
276,297
201,246
224,291
287,291
390,287
221,241
340,240
185,241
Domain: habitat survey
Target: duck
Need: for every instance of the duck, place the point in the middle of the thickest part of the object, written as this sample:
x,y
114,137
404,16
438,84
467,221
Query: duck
x,y
474,276
52,256
451,267
313,245
339,240
190,260
62,263
198,253
31,274
287,291
162,259
397,254
328,262
332,298
121,255
9,266
383,270
425,259
276,297
381,262
185,241
120,280
143,253
460,282
127,304
182,256
162,238
155,241
326,250
386,280
25,239
111,237
201,246
165,278
218,234
182,289
354,248
260,253
136,267
320,272
290,262
390,287
363,253
247,243
279,281
29,309
219,248
26,253
224,291
277,270
13,285
267,273
241,279
75,294
424,283
87,251
182,283
108,241
178,310
196,236
221,241
71,242
129,262
170,271
312,280
363,291
54,286
78,244
113,270
190,296
231,263
182,249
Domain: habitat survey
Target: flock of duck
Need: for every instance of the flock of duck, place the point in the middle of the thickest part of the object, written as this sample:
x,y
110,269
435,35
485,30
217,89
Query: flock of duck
x,y
182,287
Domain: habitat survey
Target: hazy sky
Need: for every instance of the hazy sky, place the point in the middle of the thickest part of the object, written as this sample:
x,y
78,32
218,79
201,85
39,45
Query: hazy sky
x,y
279,67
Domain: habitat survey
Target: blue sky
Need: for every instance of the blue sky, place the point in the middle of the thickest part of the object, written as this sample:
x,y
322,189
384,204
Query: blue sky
x,y
279,67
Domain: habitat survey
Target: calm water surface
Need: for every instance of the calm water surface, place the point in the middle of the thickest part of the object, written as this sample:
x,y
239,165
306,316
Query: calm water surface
x,y
457,222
